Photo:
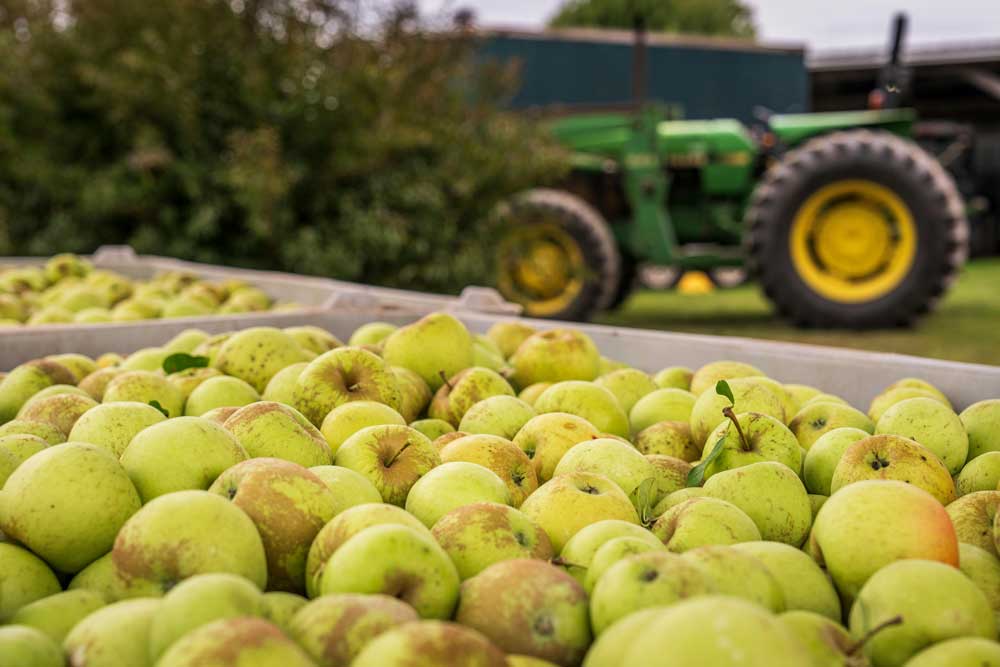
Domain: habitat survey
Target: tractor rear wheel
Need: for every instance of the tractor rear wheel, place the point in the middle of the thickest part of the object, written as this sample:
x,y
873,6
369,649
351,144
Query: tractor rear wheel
x,y
856,229
557,257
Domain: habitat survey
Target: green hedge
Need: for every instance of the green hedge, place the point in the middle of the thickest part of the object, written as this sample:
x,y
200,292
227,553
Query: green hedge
x,y
257,136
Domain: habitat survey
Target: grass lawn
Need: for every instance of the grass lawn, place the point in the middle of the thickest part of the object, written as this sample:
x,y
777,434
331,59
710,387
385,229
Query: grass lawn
x,y
964,327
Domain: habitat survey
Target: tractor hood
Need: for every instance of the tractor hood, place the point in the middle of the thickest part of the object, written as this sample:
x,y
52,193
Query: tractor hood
x,y
794,128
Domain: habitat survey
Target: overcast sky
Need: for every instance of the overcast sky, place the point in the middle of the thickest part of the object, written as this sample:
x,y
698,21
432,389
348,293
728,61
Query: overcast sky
x,y
821,24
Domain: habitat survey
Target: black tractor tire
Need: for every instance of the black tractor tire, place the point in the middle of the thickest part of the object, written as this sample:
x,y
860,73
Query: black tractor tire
x,y
894,163
603,269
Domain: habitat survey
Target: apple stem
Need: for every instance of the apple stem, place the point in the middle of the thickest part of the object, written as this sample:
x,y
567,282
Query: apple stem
x,y
565,563
858,645
444,378
728,412
396,455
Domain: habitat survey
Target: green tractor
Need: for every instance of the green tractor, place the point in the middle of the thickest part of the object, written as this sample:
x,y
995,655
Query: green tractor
x,y
842,219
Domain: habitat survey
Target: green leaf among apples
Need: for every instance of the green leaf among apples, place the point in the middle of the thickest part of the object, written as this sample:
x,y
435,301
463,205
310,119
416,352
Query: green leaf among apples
x,y
180,361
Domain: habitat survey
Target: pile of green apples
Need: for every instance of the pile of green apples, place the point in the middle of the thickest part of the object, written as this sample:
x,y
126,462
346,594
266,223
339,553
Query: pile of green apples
x,y
423,496
68,289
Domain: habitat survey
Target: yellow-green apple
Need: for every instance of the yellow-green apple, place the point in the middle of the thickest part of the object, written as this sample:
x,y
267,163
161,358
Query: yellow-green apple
x,y
113,425
256,354
628,385
919,384
281,387
220,415
334,628
21,645
28,379
198,601
145,387
57,614
618,461
822,458
973,516
349,488
180,453
670,438
757,438
827,641
676,377
182,534
979,474
587,400
894,457
961,652
649,579
480,534
804,585
708,375
982,425
707,412
17,449
567,503
937,602
54,390
933,425
497,415
486,354
579,551
983,569
531,393
80,365
501,456
233,641
435,345
145,359
219,392
398,561
669,474
186,341
514,660
66,503
415,394
390,456
260,485
739,574
613,551
555,355
850,539
342,375
890,397
463,390
24,578
661,405
312,338
529,607
371,333
701,521
46,432
451,485
508,335
188,379
676,498
269,429
346,525
279,608
547,437
345,420
824,398
430,644
61,410
432,428
817,501
211,345
815,419
442,441
608,650
99,576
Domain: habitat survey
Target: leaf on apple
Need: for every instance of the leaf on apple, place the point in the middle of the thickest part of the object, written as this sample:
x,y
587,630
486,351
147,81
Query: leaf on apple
x,y
697,474
156,404
722,389
643,498
180,361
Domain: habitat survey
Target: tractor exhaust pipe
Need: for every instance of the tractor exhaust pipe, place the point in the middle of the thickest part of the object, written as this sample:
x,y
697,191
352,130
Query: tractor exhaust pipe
x,y
899,25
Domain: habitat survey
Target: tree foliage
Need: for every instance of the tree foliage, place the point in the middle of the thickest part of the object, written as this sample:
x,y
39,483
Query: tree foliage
x,y
292,134
699,17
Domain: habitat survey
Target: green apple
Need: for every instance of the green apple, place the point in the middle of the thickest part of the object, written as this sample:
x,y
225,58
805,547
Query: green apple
x,y
46,432
587,400
674,377
579,551
850,540
708,375
198,601
235,641
390,456
547,437
973,517
219,392
57,614
371,333
894,457
281,387
890,397
113,425
828,642
28,379
270,429
451,485
669,474
480,534
815,419
822,458
210,347
509,335
182,534
19,448
51,315
346,525
314,339
817,501
824,398
937,602
146,359
180,453
982,424
463,390
788,403
983,569
628,385
514,660
979,474
435,345
919,384
66,503
345,420
620,462
497,415
702,521
430,644
145,387
669,438
24,578
567,503
760,438
442,441
661,405
220,415
531,393
398,561
486,354
54,390
254,355
61,410
530,607
185,306
115,635
555,355
933,425
432,428
24,646
99,576
961,652
280,607
613,551
739,574
649,579
186,341
804,585
608,650
342,375
349,488
261,485
334,628
415,394
676,498
706,414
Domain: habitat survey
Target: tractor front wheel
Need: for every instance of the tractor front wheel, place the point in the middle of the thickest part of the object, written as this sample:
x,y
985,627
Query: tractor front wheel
x,y
557,257
856,229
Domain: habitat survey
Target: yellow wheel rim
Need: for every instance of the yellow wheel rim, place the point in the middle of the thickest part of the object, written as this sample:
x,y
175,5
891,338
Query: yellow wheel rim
x,y
541,267
853,241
